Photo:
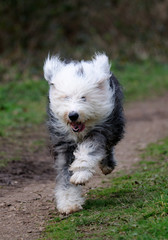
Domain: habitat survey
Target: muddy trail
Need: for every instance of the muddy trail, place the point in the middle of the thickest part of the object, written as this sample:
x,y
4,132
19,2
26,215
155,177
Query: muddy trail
x,y
26,186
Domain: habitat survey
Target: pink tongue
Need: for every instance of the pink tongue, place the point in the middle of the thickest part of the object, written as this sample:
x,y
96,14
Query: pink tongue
x,y
77,127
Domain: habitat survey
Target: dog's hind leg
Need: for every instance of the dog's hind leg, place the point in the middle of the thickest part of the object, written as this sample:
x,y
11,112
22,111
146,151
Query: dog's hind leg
x,y
108,164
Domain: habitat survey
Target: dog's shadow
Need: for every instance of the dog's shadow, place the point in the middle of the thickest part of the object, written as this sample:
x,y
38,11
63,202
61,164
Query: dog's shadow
x,y
123,198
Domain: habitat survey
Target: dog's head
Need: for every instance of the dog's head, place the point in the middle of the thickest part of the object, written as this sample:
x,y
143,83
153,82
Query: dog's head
x,y
80,94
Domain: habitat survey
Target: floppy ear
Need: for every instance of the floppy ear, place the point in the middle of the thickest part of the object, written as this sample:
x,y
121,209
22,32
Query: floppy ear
x,y
102,67
51,66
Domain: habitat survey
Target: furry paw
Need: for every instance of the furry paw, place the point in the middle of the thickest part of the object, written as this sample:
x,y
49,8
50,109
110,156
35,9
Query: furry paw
x,y
107,166
79,165
81,177
68,200
69,208
106,169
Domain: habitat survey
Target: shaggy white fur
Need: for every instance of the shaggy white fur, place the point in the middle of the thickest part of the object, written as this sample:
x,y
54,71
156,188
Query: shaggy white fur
x,y
69,199
89,93
85,163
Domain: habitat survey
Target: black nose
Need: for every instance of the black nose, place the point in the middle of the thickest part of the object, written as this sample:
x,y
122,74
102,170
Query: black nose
x,y
73,116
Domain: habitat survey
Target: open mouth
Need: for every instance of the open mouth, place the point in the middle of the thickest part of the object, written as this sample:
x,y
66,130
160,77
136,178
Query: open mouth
x,y
77,126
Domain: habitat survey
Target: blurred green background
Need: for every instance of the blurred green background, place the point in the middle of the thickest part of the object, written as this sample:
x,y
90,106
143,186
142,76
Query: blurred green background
x,y
133,33
127,29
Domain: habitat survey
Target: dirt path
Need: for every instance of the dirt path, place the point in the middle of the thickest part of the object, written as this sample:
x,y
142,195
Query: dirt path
x,y
27,202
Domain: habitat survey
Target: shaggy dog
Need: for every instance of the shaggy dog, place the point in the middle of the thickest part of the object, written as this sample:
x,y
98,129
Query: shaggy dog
x,y
85,121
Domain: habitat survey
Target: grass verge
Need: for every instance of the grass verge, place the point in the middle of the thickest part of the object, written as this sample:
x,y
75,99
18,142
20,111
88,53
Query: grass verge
x,y
22,103
134,207
142,79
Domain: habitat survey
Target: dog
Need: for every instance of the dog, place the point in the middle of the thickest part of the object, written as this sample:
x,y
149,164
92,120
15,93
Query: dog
x,y
85,122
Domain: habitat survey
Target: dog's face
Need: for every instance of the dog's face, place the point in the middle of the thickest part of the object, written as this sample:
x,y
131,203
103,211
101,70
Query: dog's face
x,y
80,94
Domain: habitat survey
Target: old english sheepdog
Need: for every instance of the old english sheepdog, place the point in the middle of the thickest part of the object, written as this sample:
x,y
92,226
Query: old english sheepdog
x,y
85,122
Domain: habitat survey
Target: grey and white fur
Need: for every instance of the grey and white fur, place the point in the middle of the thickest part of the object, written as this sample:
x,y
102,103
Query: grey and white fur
x,y
85,122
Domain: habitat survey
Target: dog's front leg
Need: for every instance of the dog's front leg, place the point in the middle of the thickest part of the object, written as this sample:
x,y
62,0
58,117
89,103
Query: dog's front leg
x,y
87,156
68,197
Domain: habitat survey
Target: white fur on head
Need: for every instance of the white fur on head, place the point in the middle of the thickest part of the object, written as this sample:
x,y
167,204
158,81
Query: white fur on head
x,y
82,87
51,66
101,66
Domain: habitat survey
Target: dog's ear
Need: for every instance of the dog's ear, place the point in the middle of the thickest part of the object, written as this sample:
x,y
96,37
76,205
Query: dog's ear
x,y
102,67
51,66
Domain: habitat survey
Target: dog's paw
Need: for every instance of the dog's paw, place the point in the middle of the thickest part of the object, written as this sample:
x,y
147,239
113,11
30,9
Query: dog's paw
x,y
68,200
107,166
79,165
81,177
69,208
106,169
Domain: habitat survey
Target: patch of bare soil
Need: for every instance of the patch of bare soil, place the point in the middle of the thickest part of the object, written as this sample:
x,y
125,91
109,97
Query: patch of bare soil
x,y
26,192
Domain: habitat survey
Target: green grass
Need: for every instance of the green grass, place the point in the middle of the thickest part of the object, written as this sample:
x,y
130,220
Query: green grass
x,y
142,79
22,102
134,207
